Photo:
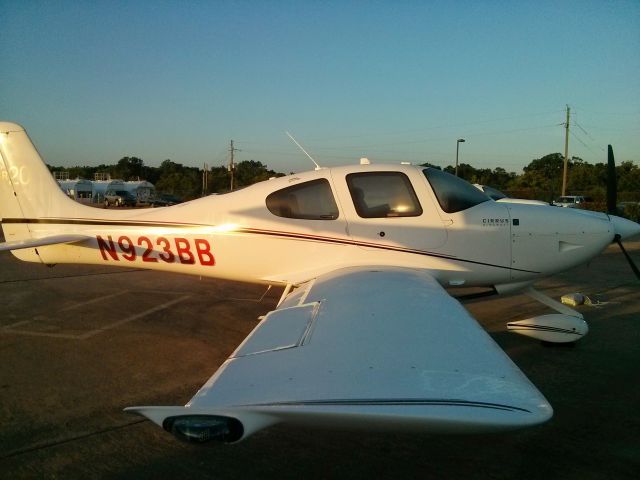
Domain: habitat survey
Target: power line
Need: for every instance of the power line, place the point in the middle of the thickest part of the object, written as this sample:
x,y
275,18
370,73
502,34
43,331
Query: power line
x,y
579,140
418,142
583,130
612,113
593,140
436,127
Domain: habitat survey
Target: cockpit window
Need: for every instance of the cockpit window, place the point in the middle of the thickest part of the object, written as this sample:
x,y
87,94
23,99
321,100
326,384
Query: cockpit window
x,y
383,194
494,193
307,201
453,193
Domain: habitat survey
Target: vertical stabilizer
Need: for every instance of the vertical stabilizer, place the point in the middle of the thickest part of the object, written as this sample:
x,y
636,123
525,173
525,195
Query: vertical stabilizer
x,y
27,188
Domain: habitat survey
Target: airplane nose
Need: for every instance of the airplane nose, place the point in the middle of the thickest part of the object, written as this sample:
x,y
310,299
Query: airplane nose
x,y
625,228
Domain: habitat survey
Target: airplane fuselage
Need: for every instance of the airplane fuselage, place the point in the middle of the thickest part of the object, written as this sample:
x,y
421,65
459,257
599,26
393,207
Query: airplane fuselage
x,y
278,231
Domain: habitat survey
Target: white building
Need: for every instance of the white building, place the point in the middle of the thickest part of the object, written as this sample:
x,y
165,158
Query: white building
x,y
87,191
143,190
101,186
78,189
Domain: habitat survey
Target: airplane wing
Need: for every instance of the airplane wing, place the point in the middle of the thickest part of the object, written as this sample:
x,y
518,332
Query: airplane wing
x,y
40,242
374,347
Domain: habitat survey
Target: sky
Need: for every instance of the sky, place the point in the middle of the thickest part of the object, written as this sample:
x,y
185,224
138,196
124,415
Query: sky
x,y
93,81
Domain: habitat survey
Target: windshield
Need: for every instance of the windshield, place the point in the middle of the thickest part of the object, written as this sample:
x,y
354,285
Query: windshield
x,y
494,193
453,193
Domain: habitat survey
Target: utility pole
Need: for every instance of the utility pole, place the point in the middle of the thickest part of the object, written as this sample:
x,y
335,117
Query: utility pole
x,y
232,166
205,179
566,153
458,142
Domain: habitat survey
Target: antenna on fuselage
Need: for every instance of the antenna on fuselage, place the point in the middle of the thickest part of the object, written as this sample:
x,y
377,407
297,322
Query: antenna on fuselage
x,y
318,167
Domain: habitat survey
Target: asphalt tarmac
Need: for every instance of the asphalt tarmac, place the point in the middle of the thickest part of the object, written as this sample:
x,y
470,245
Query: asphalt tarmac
x,y
78,344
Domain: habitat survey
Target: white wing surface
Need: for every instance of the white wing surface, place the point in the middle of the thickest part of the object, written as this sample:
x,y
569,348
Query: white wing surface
x,y
377,348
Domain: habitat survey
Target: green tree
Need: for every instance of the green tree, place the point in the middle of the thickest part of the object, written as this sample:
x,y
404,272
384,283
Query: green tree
x,y
175,178
628,177
249,172
129,168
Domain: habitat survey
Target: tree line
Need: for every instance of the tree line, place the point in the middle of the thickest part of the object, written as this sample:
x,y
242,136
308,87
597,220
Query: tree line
x,y
541,178
175,178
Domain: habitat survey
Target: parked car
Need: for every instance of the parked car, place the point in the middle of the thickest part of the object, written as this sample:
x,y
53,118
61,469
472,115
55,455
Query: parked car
x,y
164,200
119,198
572,201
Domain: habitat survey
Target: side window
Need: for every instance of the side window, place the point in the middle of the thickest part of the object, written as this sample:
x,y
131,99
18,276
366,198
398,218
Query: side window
x,y
307,201
383,194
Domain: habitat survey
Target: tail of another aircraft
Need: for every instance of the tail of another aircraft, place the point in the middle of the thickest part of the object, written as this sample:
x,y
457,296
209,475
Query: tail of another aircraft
x,y
27,189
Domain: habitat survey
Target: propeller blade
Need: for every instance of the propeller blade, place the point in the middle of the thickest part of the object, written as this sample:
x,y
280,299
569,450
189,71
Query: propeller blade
x,y
624,228
631,264
612,184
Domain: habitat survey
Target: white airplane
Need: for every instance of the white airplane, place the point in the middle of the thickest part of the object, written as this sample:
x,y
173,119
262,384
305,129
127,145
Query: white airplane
x,y
364,335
